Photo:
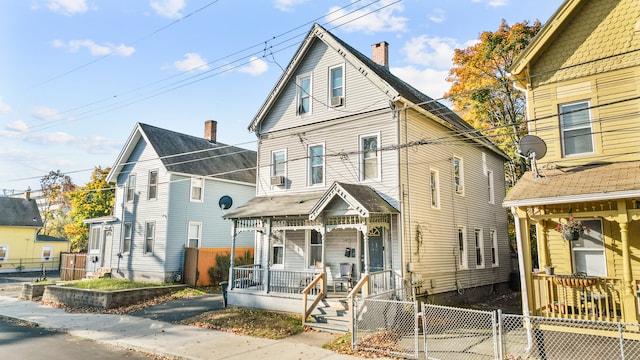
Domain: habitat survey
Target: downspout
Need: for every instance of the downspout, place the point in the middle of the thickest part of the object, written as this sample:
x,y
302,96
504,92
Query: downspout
x,y
120,249
406,156
400,230
523,279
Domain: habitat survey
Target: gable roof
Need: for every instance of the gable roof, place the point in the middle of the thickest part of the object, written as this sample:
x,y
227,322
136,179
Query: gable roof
x,y
361,198
395,88
277,205
580,183
19,212
186,154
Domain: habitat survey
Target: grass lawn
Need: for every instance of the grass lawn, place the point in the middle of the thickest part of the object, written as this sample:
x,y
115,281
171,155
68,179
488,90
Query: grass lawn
x,y
109,284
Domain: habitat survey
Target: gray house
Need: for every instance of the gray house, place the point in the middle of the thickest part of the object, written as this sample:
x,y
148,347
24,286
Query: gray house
x,y
171,192
359,170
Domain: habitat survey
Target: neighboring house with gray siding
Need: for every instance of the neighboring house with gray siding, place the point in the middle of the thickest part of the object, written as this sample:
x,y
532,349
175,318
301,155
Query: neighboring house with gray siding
x,y
168,189
356,166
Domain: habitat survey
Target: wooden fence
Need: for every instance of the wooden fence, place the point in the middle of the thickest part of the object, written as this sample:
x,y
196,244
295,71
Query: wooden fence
x,y
197,262
72,266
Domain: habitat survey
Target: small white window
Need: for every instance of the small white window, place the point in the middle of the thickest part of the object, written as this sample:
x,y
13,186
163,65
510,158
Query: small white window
x,y
149,236
4,252
197,187
47,253
575,124
303,90
277,249
458,176
94,239
490,187
128,231
369,157
494,247
588,251
336,86
479,238
195,234
434,180
462,248
316,165
152,191
131,187
278,163
314,240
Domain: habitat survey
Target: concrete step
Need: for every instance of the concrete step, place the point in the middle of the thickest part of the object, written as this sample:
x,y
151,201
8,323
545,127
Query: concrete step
x,y
330,315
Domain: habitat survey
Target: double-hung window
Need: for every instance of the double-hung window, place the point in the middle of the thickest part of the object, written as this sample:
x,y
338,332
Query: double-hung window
x,y
434,188
479,237
336,86
588,250
490,187
494,247
94,239
131,187
149,236
575,125
462,248
303,85
128,232
152,191
369,158
315,248
197,186
458,175
278,161
277,249
316,165
194,235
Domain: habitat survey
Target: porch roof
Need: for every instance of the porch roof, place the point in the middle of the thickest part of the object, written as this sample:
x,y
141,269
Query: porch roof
x,y
581,183
276,205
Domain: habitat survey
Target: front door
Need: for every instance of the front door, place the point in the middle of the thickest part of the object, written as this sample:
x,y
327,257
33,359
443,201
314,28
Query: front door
x,y
376,250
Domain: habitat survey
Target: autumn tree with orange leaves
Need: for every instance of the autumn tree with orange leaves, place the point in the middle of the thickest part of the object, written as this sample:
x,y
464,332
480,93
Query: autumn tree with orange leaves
x,y
482,92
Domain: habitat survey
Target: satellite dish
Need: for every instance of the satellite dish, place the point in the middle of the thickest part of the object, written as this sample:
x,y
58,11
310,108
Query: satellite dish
x,y
533,145
225,202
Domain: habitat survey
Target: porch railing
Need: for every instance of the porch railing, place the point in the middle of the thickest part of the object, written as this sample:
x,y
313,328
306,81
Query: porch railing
x,y
249,277
578,297
383,281
254,278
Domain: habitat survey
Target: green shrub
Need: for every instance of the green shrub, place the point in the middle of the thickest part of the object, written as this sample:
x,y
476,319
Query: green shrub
x,y
220,272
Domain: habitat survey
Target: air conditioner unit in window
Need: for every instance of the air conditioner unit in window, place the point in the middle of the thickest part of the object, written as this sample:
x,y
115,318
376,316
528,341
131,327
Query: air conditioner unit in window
x,y
277,180
336,101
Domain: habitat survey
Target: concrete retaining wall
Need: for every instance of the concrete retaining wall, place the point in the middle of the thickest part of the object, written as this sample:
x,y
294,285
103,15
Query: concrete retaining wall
x,y
31,291
104,299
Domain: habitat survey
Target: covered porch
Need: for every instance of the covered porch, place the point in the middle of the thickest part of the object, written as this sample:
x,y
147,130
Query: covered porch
x,y
322,242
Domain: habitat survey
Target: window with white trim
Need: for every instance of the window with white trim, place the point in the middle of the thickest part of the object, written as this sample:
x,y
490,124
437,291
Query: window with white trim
x,y
314,242
303,91
316,165
490,187
336,86
277,249
131,187
369,157
152,191
149,236
462,248
434,187
128,232
278,163
575,127
194,234
588,251
197,189
94,239
479,240
4,252
458,175
494,247
47,253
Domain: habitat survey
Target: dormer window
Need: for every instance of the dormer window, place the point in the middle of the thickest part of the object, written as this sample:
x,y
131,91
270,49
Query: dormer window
x,y
336,86
303,85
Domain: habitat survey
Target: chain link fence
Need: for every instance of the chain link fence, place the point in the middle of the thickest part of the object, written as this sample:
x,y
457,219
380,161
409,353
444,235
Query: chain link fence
x,y
386,324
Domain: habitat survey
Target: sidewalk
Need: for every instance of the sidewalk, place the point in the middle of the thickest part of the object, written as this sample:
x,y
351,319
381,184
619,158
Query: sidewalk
x,y
157,337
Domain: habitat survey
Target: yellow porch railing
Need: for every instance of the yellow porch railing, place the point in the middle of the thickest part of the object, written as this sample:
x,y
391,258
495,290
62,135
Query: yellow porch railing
x,y
583,298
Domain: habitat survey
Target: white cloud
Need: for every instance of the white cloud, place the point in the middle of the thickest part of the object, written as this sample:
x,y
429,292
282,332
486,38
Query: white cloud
x,y
17,126
99,145
364,20
256,67
54,138
192,62
67,7
94,49
287,5
46,113
429,81
4,107
437,16
498,3
171,9
431,51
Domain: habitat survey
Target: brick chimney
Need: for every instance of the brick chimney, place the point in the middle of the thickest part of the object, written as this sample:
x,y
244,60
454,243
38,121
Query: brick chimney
x,y
27,194
210,129
380,53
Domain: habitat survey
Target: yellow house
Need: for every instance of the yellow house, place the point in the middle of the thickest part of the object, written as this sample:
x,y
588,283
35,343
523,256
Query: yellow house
x,y
581,76
21,247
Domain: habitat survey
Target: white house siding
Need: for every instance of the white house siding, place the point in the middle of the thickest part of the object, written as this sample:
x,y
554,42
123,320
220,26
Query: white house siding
x,y
216,232
435,260
146,266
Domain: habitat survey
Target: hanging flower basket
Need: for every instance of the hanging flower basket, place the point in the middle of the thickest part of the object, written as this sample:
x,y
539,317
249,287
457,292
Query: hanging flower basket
x,y
572,229
571,235
575,280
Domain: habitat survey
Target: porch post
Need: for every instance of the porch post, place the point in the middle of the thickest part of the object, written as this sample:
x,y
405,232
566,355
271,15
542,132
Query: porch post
x,y
267,275
323,234
365,236
630,313
543,254
233,253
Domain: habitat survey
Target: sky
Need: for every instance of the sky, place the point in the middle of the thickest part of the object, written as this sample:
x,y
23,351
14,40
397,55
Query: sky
x,y
77,75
